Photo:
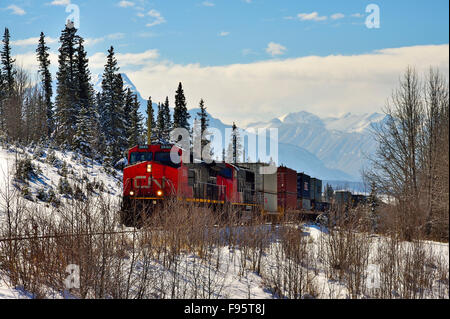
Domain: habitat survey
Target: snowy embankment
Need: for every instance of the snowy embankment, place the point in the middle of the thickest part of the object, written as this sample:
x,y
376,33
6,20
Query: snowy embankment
x,y
283,261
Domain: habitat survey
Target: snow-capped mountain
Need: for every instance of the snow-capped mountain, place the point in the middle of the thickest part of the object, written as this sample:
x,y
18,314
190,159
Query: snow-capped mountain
x,y
342,143
127,83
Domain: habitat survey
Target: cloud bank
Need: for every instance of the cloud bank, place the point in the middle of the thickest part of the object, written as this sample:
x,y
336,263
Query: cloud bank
x,y
329,85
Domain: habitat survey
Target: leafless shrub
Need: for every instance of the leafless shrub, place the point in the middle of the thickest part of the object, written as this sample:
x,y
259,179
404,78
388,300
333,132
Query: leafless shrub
x,y
345,252
291,274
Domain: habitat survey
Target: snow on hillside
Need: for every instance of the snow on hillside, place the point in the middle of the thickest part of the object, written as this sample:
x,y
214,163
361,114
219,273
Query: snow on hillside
x,y
50,168
351,123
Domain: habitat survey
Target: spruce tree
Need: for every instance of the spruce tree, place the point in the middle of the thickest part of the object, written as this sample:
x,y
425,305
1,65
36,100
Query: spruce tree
x,y
204,122
128,109
181,116
119,119
108,96
113,117
135,123
83,138
150,121
160,122
7,63
168,125
46,81
67,106
2,98
234,151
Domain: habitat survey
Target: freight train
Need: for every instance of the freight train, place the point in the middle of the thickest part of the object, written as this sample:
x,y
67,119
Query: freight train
x,y
153,176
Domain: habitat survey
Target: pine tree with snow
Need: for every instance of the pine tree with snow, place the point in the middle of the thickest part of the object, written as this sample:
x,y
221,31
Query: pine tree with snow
x,y
2,98
7,73
128,109
120,126
113,119
234,151
135,130
168,125
7,63
107,104
204,124
151,124
160,122
181,116
83,138
66,102
43,58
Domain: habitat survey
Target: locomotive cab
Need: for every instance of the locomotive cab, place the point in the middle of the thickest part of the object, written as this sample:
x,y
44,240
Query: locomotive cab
x,y
152,172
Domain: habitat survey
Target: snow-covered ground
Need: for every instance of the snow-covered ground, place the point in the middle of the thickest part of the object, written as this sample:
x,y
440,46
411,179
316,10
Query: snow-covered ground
x,y
230,279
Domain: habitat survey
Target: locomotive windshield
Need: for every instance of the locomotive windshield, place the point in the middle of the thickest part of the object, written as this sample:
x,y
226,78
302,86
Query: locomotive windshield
x,y
138,157
164,158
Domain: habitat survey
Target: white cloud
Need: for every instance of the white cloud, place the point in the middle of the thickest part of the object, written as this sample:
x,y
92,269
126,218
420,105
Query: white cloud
x,y
60,3
16,10
246,52
98,60
337,16
313,16
94,41
275,49
263,90
224,33
32,41
125,4
357,15
28,61
157,18
208,4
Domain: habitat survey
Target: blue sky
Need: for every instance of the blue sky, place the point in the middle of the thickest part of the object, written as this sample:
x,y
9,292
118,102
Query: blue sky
x,y
177,34
190,31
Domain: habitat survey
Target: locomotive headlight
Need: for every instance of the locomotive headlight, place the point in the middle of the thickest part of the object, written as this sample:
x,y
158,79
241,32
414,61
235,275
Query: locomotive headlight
x,y
149,168
131,193
159,193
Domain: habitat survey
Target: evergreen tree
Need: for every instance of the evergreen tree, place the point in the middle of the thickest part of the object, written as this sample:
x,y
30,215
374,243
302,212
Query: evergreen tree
x,y
7,63
160,122
181,116
234,151
150,121
67,106
168,125
2,98
108,95
128,109
135,129
113,117
83,138
204,124
46,81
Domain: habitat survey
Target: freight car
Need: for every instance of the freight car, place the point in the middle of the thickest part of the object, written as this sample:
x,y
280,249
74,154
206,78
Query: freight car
x,y
287,189
304,191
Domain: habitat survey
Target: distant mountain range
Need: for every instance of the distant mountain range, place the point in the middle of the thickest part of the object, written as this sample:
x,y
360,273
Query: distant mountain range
x,y
330,148
342,143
